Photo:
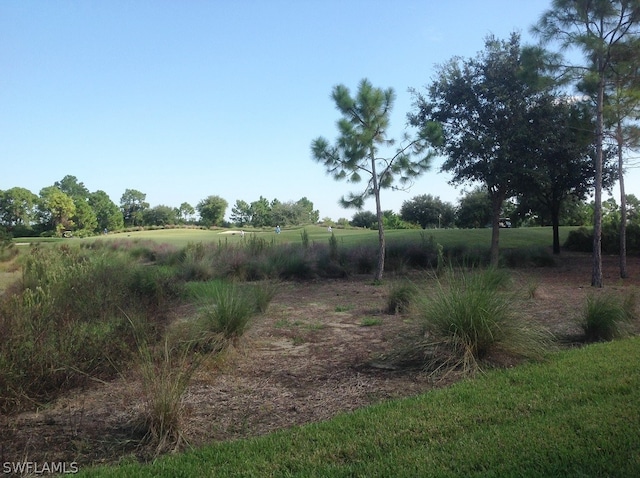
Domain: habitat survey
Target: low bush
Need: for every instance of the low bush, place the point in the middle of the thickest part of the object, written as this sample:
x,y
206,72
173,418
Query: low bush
x,y
607,317
581,240
527,257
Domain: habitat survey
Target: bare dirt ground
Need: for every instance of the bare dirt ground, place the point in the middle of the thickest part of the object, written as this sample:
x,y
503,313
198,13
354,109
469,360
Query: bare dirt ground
x,y
314,354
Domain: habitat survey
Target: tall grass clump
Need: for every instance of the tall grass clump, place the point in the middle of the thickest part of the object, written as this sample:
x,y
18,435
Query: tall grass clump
x,y
472,318
166,373
607,317
263,294
224,312
401,296
225,308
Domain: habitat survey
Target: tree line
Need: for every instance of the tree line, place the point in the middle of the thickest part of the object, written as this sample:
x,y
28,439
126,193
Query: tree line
x,y
68,207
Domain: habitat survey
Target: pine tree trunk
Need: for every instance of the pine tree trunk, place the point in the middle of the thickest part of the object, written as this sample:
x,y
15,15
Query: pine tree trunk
x,y
596,273
381,240
623,208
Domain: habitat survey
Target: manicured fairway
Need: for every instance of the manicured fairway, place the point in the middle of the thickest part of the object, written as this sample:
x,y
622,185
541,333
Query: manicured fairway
x,y
472,238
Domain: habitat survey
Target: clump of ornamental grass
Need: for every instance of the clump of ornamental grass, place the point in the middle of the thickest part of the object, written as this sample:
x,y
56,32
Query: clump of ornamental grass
x,y
225,310
607,317
166,372
224,307
401,296
263,294
471,318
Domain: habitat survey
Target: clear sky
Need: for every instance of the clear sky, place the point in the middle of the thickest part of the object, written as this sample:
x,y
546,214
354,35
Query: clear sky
x,y
183,99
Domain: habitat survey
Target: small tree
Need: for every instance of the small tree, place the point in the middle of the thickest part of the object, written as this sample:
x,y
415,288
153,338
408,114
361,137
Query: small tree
x,y
474,209
160,215
366,219
108,215
185,211
241,213
428,211
564,166
17,207
132,204
357,151
260,211
212,210
56,209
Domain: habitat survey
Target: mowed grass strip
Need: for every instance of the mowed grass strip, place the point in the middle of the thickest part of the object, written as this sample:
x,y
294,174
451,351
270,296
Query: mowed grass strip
x,y
471,238
576,415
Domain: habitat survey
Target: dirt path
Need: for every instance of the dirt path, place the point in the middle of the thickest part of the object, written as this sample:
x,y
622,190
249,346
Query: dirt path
x,y
307,359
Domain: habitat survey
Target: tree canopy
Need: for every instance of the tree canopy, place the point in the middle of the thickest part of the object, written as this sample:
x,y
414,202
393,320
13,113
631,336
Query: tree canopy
x,y
484,105
212,210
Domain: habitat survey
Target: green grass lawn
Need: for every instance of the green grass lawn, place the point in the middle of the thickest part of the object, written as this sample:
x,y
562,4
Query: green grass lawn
x,y
576,415
472,238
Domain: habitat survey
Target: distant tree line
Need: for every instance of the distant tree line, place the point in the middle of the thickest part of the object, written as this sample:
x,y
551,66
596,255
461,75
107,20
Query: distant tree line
x,y
68,208
262,213
473,210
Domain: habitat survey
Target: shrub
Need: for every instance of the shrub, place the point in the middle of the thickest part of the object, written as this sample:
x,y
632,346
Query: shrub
x,y
304,237
470,318
361,259
607,317
71,296
581,240
527,257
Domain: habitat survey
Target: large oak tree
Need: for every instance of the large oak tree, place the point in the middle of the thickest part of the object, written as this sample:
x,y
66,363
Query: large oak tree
x,y
484,105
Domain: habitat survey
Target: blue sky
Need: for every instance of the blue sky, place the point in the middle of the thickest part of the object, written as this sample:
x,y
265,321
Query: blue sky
x,y
186,99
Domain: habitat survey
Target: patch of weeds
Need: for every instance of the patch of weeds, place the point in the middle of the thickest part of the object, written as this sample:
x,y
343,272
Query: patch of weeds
x,y
531,289
370,321
297,340
166,373
343,308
